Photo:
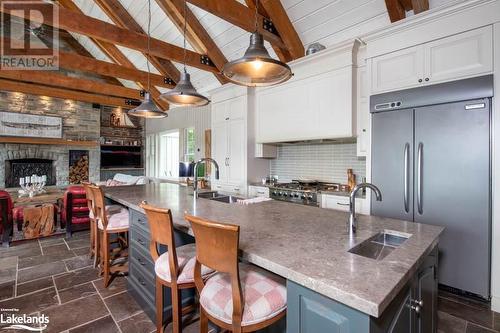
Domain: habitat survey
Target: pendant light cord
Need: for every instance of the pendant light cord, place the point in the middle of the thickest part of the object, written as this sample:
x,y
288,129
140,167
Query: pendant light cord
x,y
149,44
184,35
256,14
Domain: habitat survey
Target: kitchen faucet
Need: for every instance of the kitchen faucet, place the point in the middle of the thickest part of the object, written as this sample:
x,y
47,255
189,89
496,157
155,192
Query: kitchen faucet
x,y
203,160
353,224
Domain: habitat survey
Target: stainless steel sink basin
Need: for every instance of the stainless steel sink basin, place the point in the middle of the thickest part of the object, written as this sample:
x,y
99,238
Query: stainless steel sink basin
x,y
226,199
380,245
216,196
210,195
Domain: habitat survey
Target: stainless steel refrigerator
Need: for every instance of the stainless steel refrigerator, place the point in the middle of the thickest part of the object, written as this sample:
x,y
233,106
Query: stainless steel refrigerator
x,y
431,159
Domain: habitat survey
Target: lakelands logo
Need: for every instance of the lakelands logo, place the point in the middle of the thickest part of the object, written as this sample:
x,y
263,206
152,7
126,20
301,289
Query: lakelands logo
x,y
28,40
15,321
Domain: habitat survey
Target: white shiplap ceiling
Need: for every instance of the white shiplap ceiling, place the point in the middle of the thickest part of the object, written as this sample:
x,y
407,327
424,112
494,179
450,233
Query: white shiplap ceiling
x,y
325,21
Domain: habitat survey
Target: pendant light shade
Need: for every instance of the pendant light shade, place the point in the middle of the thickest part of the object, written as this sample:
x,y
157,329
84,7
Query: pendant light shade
x,y
256,68
184,93
147,109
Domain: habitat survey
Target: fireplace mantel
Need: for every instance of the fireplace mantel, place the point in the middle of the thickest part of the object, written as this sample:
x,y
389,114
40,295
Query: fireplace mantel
x,y
47,141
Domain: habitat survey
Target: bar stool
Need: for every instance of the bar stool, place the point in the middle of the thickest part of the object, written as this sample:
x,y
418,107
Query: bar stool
x,y
94,243
108,224
174,268
239,297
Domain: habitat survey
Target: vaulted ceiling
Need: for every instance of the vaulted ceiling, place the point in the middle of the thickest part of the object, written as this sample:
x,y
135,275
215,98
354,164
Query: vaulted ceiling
x,y
218,29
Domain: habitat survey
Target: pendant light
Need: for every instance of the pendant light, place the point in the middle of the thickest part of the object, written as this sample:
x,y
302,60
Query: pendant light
x,y
184,93
148,108
256,68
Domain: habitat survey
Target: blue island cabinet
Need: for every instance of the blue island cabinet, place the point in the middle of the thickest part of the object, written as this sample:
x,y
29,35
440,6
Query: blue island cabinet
x,y
141,278
413,310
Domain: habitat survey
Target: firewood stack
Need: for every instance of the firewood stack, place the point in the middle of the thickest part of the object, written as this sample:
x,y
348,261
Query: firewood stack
x,y
79,172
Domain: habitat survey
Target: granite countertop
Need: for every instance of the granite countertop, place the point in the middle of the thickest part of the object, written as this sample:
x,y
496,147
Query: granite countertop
x,y
304,244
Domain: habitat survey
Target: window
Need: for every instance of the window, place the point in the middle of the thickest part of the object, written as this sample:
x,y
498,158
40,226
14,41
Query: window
x,y
168,156
189,144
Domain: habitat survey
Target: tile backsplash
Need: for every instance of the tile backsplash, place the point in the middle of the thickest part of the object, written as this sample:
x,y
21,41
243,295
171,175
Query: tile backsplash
x,y
325,162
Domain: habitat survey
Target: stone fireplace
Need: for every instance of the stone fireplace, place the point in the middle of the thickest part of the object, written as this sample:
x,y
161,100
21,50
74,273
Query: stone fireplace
x,y
20,168
17,160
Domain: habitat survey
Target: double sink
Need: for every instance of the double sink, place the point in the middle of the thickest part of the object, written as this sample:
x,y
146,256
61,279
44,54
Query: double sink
x,y
216,196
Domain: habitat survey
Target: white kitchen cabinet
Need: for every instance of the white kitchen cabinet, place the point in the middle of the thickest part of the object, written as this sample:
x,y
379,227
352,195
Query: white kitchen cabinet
x,y
398,70
236,151
233,140
363,112
229,139
456,57
258,191
462,55
339,202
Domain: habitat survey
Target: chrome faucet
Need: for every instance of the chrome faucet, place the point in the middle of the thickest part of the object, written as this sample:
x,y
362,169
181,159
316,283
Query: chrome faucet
x,y
203,160
353,224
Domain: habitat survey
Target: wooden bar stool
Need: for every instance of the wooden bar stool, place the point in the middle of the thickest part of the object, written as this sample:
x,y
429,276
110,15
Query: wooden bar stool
x,y
94,235
108,224
174,268
239,297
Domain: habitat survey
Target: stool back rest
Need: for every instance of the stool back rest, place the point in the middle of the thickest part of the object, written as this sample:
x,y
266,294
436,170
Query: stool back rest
x,y
217,247
90,198
4,210
161,229
6,206
99,205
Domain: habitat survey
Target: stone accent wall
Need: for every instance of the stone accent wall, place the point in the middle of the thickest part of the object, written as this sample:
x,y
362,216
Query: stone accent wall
x,y
80,122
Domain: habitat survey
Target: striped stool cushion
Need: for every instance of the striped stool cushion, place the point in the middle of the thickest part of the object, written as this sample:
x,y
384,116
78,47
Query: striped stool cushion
x,y
264,295
186,259
118,220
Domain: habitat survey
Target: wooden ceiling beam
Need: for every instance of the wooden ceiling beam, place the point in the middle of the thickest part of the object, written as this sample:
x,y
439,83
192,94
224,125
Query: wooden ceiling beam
x,y
281,21
62,81
196,35
91,65
89,26
36,89
397,8
114,53
122,18
239,15
420,6
76,62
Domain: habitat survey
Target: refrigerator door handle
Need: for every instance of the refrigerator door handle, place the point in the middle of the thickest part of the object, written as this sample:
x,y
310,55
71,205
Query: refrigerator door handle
x,y
419,178
406,177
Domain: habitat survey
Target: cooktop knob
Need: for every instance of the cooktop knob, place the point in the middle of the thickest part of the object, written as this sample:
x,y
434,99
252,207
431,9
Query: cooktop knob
x,y
285,194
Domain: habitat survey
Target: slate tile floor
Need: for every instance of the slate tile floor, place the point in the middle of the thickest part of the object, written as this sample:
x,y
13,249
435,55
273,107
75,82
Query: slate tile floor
x,y
54,276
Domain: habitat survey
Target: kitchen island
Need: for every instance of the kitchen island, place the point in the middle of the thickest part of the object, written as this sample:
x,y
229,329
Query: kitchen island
x,y
329,288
